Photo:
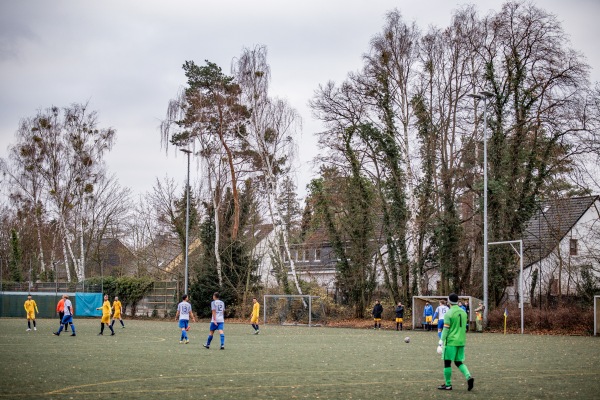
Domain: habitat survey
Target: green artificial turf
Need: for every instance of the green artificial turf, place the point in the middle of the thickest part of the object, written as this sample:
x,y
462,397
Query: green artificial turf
x,y
146,361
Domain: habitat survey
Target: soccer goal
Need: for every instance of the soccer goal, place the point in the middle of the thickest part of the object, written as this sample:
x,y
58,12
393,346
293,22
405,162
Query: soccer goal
x,y
596,315
418,305
293,310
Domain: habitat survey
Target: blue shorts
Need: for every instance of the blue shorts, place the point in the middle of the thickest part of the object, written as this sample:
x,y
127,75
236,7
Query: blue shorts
x,y
440,324
67,319
216,327
183,323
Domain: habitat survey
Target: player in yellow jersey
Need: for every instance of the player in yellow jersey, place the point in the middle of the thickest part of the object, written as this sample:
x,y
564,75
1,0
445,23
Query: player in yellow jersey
x,y
255,314
117,307
106,310
31,308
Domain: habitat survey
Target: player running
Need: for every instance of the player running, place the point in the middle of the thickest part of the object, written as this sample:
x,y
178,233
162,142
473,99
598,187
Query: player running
x,y
68,318
217,321
106,310
117,308
454,337
440,311
255,314
184,310
30,309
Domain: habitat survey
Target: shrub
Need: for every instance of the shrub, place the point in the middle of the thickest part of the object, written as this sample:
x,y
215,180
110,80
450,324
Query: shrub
x,y
129,289
563,319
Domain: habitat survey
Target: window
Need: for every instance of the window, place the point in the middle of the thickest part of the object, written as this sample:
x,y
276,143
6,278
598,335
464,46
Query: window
x,y
306,255
317,254
573,247
553,286
112,260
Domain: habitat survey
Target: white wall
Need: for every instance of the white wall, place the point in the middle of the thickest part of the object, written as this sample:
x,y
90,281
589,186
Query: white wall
x,y
561,265
262,251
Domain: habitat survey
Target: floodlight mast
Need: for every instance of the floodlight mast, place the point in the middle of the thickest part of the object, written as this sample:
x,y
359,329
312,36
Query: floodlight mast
x,y
187,219
484,95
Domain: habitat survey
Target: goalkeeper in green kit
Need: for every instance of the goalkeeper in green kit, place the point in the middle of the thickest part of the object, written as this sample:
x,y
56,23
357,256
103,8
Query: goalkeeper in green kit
x,y
454,337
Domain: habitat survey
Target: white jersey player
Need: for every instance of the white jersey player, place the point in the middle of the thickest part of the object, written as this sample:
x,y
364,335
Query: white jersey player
x,y
217,321
440,311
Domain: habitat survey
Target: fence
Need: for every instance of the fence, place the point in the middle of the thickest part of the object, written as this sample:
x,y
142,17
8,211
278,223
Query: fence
x,y
160,301
56,287
84,304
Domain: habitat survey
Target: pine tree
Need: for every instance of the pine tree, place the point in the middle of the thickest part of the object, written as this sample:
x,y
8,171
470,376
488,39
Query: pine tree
x,y
15,257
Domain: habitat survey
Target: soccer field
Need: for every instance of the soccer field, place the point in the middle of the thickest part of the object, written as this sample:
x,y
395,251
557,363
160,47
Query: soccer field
x,y
146,361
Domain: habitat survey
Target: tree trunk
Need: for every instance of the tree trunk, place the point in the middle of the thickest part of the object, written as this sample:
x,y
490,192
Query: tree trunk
x,y
234,191
81,266
216,208
276,220
68,248
38,224
66,257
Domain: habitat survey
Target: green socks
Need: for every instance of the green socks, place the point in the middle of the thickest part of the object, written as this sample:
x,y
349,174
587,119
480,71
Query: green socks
x,y
465,371
448,376
448,373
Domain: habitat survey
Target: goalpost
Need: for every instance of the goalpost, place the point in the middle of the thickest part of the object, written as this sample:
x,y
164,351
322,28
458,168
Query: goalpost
x,y
520,253
289,309
596,315
418,306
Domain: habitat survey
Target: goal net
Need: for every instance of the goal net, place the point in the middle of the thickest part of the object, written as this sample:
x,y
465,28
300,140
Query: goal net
x,y
596,315
296,310
418,305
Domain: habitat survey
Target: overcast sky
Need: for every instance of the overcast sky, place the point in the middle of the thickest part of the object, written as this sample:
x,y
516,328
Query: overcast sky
x,y
125,58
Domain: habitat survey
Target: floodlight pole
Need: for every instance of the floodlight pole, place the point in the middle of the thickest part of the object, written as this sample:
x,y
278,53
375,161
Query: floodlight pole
x,y
484,95
520,252
187,220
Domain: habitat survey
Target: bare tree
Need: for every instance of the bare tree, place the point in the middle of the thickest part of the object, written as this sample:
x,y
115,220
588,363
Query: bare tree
x,y
63,153
105,215
26,183
269,138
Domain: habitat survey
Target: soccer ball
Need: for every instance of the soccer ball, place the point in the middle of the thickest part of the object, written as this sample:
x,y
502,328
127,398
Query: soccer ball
x,y
407,340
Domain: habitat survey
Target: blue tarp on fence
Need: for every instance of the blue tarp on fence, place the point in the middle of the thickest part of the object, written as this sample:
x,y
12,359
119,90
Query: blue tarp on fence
x,y
87,304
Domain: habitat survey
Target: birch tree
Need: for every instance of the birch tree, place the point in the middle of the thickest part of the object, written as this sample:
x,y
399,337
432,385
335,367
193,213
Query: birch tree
x,y
269,139
63,152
